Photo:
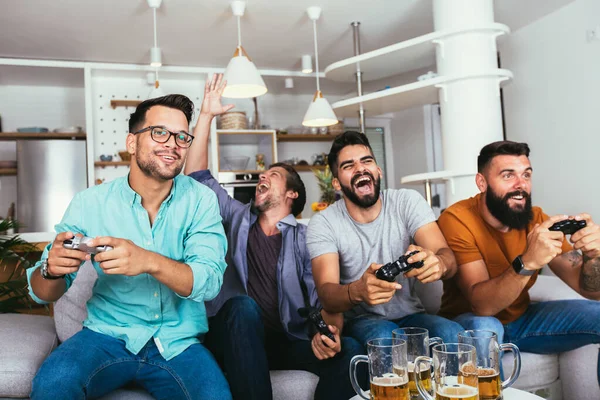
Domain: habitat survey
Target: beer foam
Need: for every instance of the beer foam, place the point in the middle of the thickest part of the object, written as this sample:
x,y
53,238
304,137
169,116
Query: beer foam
x,y
486,371
458,390
388,379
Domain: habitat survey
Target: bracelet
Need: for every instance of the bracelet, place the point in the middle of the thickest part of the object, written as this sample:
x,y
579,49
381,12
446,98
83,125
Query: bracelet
x,y
350,297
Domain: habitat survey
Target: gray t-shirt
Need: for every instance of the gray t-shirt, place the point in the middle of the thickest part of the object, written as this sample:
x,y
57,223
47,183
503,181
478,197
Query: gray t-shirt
x,y
380,241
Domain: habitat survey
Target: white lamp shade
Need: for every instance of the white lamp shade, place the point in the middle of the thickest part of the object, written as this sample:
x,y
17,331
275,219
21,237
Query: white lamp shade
x,y
319,112
307,64
155,57
243,79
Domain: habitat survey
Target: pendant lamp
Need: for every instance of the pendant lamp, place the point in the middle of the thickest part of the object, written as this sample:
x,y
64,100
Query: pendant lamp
x,y
242,76
319,111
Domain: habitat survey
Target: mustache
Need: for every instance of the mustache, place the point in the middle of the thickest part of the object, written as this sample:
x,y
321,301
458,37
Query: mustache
x,y
360,175
173,154
516,193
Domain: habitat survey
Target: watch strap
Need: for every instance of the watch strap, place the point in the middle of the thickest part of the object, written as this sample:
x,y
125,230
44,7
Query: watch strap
x,y
519,267
46,275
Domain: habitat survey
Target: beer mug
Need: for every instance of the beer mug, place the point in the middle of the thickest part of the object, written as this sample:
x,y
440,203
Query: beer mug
x,y
417,344
388,374
454,372
489,357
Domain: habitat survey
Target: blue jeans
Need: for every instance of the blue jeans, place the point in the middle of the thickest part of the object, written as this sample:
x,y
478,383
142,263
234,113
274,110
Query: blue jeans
x,y
247,351
90,365
470,321
365,328
556,326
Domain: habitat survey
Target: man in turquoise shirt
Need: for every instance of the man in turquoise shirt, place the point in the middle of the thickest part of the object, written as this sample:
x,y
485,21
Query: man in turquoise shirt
x,y
146,316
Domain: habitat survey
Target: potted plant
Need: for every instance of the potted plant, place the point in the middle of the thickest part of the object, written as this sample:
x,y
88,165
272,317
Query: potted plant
x,y
328,195
15,258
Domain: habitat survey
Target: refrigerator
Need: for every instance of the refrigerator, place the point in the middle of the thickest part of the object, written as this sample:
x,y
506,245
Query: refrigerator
x,y
49,174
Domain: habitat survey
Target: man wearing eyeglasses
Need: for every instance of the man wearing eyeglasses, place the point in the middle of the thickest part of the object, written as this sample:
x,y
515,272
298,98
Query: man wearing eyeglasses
x,y
146,316
255,325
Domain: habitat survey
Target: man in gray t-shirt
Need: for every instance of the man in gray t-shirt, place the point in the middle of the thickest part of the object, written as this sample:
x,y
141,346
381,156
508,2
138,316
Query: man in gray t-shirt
x,y
354,237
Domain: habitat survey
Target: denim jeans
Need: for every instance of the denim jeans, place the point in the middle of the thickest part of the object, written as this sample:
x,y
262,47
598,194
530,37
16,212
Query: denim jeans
x,y
470,321
247,351
90,365
365,328
556,326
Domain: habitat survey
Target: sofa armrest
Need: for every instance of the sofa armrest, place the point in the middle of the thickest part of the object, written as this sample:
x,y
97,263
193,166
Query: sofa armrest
x,y
549,288
25,342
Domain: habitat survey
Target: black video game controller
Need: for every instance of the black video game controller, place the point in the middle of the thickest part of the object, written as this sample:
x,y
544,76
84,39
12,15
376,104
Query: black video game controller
x,y
568,226
314,315
81,244
390,271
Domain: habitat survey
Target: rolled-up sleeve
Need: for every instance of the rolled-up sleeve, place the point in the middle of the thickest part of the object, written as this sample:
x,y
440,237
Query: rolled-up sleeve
x,y
205,247
71,222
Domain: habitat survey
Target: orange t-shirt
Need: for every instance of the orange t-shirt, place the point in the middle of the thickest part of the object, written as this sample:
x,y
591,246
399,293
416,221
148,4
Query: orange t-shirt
x,y
472,239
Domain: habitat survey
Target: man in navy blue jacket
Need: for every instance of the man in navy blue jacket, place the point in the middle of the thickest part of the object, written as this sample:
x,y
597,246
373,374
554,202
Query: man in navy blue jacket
x,y
255,324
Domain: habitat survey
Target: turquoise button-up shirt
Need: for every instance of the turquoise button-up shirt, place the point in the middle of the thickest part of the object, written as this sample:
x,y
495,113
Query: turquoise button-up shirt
x,y
136,309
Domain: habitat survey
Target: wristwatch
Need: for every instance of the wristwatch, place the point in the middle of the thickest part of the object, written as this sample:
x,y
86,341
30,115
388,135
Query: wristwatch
x,y
46,275
519,267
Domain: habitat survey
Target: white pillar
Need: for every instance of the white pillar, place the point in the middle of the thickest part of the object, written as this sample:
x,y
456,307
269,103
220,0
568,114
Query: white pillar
x,y
470,108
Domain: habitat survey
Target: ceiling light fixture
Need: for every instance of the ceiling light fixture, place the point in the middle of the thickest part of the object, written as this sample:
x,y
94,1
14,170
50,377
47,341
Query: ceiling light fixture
x,y
242,76
319,112
307,64
155,53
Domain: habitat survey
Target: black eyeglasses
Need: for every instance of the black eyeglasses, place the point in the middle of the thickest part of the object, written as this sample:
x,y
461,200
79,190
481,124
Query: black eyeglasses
x,y
161,134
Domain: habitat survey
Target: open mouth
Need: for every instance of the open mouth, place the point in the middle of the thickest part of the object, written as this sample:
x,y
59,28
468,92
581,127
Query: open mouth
x,y
168,158
262,188
363,184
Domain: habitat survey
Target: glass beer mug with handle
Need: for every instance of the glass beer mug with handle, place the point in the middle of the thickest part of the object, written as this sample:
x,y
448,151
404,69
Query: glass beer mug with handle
x,y
489,357
418,343
388,374
454,372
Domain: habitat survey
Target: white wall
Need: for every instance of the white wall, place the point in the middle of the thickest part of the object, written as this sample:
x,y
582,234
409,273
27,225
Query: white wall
x,y
553,105
26,106
408,146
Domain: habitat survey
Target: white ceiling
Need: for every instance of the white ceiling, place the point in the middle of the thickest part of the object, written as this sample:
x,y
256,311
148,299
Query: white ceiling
x,y
203,32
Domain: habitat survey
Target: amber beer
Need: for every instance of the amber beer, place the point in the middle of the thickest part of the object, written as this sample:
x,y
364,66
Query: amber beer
x,y
425,376
490,385
389,387
456,392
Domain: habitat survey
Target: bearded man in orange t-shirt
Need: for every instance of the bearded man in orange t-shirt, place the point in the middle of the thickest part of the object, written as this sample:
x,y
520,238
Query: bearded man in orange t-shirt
x,y
501,242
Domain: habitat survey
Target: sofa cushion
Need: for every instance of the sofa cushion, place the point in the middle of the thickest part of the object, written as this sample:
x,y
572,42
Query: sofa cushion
x,y
577,373
70,309
537,370
293,385
25,341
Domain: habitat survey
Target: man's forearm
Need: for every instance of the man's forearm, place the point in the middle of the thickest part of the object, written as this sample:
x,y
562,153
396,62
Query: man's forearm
x,y
448,260
47,290
590,274
197,159
335,298
175,275
506,288
335,319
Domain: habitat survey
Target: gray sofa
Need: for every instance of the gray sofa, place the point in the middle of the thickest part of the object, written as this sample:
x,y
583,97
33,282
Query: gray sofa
x,y
26,340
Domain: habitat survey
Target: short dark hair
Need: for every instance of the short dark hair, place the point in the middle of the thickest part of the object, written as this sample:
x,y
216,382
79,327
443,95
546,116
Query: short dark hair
x,y
176,101
503,147
348,138
293,182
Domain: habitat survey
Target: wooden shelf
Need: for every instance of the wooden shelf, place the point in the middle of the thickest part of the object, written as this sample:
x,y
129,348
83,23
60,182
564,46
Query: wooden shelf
x,y
124,103
42,135
407,96
308,137
396,59
8,171
245,131
110,163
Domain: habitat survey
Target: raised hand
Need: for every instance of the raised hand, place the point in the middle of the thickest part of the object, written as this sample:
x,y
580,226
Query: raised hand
x,y
213,90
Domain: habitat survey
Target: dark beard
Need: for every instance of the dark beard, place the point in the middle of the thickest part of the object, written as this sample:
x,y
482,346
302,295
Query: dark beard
x,y
366,201
151,169
499,208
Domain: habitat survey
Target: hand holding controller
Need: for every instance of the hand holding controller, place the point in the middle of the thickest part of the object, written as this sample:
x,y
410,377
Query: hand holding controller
x,y
568,226
314,315
82,244
390,271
